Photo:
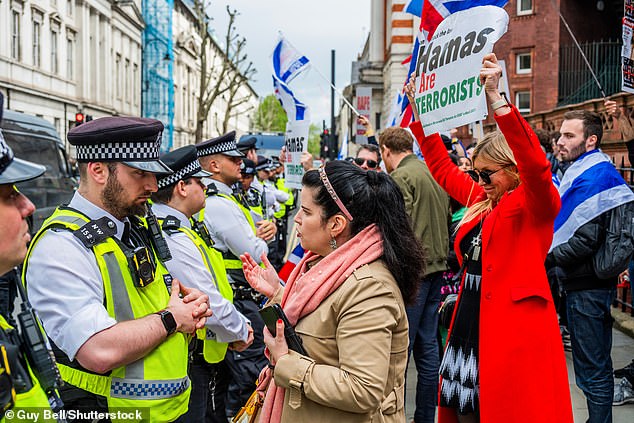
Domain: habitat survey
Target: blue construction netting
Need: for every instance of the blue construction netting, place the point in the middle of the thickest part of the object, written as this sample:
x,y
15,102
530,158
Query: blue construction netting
x,y
158,66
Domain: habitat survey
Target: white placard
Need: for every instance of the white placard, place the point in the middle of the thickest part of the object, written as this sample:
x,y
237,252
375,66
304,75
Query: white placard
x,y
448,91
296,141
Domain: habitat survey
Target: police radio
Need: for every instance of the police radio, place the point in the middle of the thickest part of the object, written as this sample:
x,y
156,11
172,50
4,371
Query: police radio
x,y
38,353
156,236
201,229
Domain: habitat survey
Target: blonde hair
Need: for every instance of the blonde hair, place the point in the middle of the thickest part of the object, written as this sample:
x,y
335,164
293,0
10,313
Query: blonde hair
x,y
494,148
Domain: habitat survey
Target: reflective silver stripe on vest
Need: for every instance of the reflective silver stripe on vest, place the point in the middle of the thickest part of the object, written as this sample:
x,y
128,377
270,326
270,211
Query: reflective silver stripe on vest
x,y
147,389
122,307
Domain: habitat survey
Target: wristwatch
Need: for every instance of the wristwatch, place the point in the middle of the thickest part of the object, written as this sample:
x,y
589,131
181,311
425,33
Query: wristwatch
x,y
168,321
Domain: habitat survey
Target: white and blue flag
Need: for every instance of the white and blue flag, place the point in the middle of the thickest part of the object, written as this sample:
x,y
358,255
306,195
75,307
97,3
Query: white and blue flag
x,y
590,187
287,64
295,109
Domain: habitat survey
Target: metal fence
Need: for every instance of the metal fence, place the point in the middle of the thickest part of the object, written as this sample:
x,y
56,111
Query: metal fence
x,y
576,83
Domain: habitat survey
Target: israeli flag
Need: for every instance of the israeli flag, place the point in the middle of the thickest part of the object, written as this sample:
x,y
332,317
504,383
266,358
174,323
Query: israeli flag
x,y
295,109
288,62
590,187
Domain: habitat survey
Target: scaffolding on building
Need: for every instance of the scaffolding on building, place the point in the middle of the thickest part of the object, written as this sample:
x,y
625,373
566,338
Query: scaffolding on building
x,y
158,66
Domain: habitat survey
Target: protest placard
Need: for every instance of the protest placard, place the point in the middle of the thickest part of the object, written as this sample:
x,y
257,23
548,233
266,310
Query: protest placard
x,y
627,59
364,102
448,90
296,141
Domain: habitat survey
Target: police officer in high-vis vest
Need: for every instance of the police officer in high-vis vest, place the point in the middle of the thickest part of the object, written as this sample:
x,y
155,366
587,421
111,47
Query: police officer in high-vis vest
x,y
23,362
234,232
196,263
118,322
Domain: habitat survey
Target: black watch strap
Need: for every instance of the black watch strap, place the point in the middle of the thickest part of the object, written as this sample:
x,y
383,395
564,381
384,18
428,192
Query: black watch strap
x,y
168,321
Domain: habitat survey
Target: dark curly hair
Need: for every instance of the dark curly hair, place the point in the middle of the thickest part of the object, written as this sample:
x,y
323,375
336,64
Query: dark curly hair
x,y
373,197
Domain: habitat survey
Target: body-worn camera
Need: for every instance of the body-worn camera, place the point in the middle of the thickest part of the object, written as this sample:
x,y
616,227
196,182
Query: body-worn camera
x,y
142,266
201,229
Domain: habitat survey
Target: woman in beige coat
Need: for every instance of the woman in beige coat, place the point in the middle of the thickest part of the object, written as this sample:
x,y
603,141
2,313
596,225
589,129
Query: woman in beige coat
x,y
346,300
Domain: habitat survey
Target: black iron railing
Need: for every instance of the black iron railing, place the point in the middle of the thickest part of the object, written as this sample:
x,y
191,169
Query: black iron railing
x,y
576,83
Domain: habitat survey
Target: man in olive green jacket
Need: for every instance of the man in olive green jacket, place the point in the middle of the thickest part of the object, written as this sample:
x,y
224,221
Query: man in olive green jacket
x,y
428,205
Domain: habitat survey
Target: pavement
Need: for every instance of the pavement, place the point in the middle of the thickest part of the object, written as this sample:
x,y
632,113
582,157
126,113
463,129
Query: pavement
x,y
622,354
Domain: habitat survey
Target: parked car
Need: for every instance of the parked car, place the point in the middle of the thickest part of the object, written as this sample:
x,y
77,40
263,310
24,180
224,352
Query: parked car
x,y
34,139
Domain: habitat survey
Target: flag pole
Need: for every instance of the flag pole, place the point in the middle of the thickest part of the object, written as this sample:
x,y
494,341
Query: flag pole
x,y
583,55
326,79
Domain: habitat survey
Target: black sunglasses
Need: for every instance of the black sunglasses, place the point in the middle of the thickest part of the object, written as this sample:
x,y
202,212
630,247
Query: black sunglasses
x,y
484,174
372,164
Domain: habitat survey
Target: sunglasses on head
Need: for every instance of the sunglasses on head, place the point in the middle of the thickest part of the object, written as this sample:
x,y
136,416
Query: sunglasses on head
x,y
372,164
484,174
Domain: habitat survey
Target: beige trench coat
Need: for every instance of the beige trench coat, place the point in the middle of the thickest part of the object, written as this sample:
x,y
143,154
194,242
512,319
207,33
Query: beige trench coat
x,y
357,340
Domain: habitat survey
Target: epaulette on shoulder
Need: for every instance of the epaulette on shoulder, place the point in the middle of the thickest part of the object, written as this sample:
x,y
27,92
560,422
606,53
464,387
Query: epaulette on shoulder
x,y
170,224
212,189
96,231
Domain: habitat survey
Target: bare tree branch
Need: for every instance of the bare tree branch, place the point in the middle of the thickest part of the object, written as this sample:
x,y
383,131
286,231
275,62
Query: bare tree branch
x,y
223,70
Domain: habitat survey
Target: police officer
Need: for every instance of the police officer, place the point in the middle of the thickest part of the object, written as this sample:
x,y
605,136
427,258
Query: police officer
x,y
94,273
18,387
235,232
196,263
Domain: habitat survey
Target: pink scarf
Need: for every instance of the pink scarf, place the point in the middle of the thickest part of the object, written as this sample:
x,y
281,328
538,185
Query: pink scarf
x,y
318,282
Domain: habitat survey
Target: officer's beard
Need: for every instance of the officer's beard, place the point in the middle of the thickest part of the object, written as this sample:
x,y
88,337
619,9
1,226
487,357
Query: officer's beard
x,y
113,201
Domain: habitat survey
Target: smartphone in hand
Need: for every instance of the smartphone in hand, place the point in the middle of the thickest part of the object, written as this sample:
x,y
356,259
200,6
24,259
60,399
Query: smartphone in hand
x,y
270,315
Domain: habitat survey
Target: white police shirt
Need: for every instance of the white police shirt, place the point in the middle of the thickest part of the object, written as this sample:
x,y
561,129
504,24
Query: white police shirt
x,y
229,227
187,265
64,284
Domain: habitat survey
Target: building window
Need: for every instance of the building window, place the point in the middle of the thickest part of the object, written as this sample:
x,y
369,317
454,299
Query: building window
x,y
523,101
117,74
524,7
135,83
69,58
37,51
127,76
523,63
16,52
54,62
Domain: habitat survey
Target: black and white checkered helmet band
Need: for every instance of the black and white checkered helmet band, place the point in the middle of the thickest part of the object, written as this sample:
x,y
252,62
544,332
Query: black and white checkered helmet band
x,y
6,154
217,149
191,169
120,151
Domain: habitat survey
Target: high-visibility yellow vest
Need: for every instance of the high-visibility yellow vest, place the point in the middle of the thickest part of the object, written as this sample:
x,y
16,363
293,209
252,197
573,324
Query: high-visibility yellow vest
x,y
229,262
213,351
280,184
34,398
157,381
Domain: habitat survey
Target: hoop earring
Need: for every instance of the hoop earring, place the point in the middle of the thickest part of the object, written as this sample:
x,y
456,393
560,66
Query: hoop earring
x,y
333,243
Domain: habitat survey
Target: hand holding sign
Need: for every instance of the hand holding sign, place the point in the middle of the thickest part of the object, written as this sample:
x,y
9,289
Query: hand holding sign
x,y
490,74
410,91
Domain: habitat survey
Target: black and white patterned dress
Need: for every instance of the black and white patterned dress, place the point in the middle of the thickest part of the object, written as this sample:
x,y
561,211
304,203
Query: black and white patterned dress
x,y
459,368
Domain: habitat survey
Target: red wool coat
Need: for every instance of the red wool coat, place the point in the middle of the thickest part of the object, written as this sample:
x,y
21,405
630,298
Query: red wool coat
x,y
523,377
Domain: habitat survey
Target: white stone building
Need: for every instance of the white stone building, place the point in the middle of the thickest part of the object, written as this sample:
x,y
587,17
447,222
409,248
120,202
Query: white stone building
x,y
61,57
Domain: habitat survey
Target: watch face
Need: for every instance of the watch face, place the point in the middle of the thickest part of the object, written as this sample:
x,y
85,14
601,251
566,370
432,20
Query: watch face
x,y
168,321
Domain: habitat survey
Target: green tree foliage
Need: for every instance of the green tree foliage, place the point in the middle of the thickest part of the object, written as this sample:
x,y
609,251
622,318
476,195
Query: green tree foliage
x,y
313,140
270,116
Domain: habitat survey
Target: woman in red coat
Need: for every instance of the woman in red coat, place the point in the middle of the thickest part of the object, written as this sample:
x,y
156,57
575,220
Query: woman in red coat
x,y
504,360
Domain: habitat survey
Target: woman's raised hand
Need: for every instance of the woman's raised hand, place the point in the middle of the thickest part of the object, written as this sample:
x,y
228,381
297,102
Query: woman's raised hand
x,y
410,91
490,75
264,280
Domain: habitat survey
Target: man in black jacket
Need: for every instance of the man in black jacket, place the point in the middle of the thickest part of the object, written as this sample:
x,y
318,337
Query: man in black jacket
x,y
595,199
